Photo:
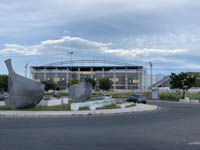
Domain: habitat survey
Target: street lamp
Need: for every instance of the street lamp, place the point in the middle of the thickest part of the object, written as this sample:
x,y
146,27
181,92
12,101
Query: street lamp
x,y
71,53
151,65
26,66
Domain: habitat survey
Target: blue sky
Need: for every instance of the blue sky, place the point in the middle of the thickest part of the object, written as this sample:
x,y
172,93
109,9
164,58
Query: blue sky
x,y
166,32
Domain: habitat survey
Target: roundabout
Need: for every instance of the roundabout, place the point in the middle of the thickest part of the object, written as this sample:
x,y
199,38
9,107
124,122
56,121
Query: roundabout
x,y
137,108
173,126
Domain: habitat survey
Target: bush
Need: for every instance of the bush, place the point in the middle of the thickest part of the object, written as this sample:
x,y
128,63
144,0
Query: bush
x,y
92,81
46,98
73,81
172,96
49,85
176,96
195,96
105,84
3,83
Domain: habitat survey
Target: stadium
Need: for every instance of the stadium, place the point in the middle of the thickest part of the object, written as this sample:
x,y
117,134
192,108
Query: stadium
x,y
123,76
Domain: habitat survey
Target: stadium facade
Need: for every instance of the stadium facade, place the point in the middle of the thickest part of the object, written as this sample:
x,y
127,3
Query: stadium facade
x,y
124,76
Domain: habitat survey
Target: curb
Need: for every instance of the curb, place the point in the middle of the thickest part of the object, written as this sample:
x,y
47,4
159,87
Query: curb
x,y
137,108
176,102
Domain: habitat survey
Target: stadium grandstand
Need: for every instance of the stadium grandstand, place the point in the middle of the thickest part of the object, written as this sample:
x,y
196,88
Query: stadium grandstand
x,y
124,76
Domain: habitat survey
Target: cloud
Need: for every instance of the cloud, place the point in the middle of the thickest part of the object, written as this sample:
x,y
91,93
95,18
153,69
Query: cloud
x,y
20,50
45,15
146,55
164,57
55,47
96,50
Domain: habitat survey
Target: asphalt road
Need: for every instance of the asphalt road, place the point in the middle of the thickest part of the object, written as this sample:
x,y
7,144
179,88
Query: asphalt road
x,y
174,126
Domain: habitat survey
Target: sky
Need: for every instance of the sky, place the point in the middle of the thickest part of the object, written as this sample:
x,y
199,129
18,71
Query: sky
x,y
164,32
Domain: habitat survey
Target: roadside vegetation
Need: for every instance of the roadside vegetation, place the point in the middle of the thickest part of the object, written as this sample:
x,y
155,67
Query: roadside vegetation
x,y
132,105
112,106
3,83
169,96
183,81
64,107
175,96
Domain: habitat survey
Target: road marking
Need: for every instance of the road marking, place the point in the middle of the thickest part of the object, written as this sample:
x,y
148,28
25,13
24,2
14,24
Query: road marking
x,y
195,143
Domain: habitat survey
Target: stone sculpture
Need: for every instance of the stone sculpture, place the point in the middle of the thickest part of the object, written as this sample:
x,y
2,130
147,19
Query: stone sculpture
x,y
80,91
23,92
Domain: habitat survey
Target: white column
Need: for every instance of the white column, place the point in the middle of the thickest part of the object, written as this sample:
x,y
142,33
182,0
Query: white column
x,y
45,74
79,76
91,73
126,79
140,79
56,73
114,77
67,76
102,73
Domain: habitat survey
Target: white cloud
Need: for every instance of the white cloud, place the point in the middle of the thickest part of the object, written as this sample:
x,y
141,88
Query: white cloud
x,y
50,51
144,52
20,50
55,47
91,49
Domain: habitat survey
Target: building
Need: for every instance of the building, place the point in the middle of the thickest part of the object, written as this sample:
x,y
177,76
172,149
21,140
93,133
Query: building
x,y
124,76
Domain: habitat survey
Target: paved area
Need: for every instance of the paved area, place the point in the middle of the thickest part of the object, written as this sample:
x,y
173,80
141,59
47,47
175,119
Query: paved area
x,y
174,126
137,108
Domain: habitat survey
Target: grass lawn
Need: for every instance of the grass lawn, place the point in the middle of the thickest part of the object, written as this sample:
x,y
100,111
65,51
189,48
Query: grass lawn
x,y
112,106
45,108
64,107
132,105
41,108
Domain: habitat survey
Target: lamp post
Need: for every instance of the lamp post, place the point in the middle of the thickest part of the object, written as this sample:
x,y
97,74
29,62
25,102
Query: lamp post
x,y
26,66
151,65
71,53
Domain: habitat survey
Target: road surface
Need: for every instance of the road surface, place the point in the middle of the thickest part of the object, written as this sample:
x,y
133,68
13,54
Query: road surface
x,y
174,126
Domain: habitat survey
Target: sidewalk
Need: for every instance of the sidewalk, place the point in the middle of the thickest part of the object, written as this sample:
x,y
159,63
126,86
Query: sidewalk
x,y
137,108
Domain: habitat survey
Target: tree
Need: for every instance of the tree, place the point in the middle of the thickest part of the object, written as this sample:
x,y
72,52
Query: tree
x,y
73,81
92,81
105,84
49,85
3,83
183,81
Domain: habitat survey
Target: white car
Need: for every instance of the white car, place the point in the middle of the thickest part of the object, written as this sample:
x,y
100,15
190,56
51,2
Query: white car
x,y
104,96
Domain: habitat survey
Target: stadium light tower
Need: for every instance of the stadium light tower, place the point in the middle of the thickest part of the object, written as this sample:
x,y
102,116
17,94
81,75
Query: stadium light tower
x,y
71,54
151,65
26,66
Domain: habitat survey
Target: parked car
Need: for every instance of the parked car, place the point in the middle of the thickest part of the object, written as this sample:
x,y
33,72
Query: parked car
x,y
3,96
104,96
137,98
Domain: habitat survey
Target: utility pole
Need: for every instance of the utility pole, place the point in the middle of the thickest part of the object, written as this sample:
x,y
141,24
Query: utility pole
x,y
26,66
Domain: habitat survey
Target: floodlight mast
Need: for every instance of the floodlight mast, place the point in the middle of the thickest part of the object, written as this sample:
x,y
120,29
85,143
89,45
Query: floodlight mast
x,y
71,54
26,66
151,66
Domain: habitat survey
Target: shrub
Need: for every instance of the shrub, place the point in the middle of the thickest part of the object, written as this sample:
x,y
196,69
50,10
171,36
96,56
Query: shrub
x,y
170,96
105,84
92,81
3,83
49,85
73,81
